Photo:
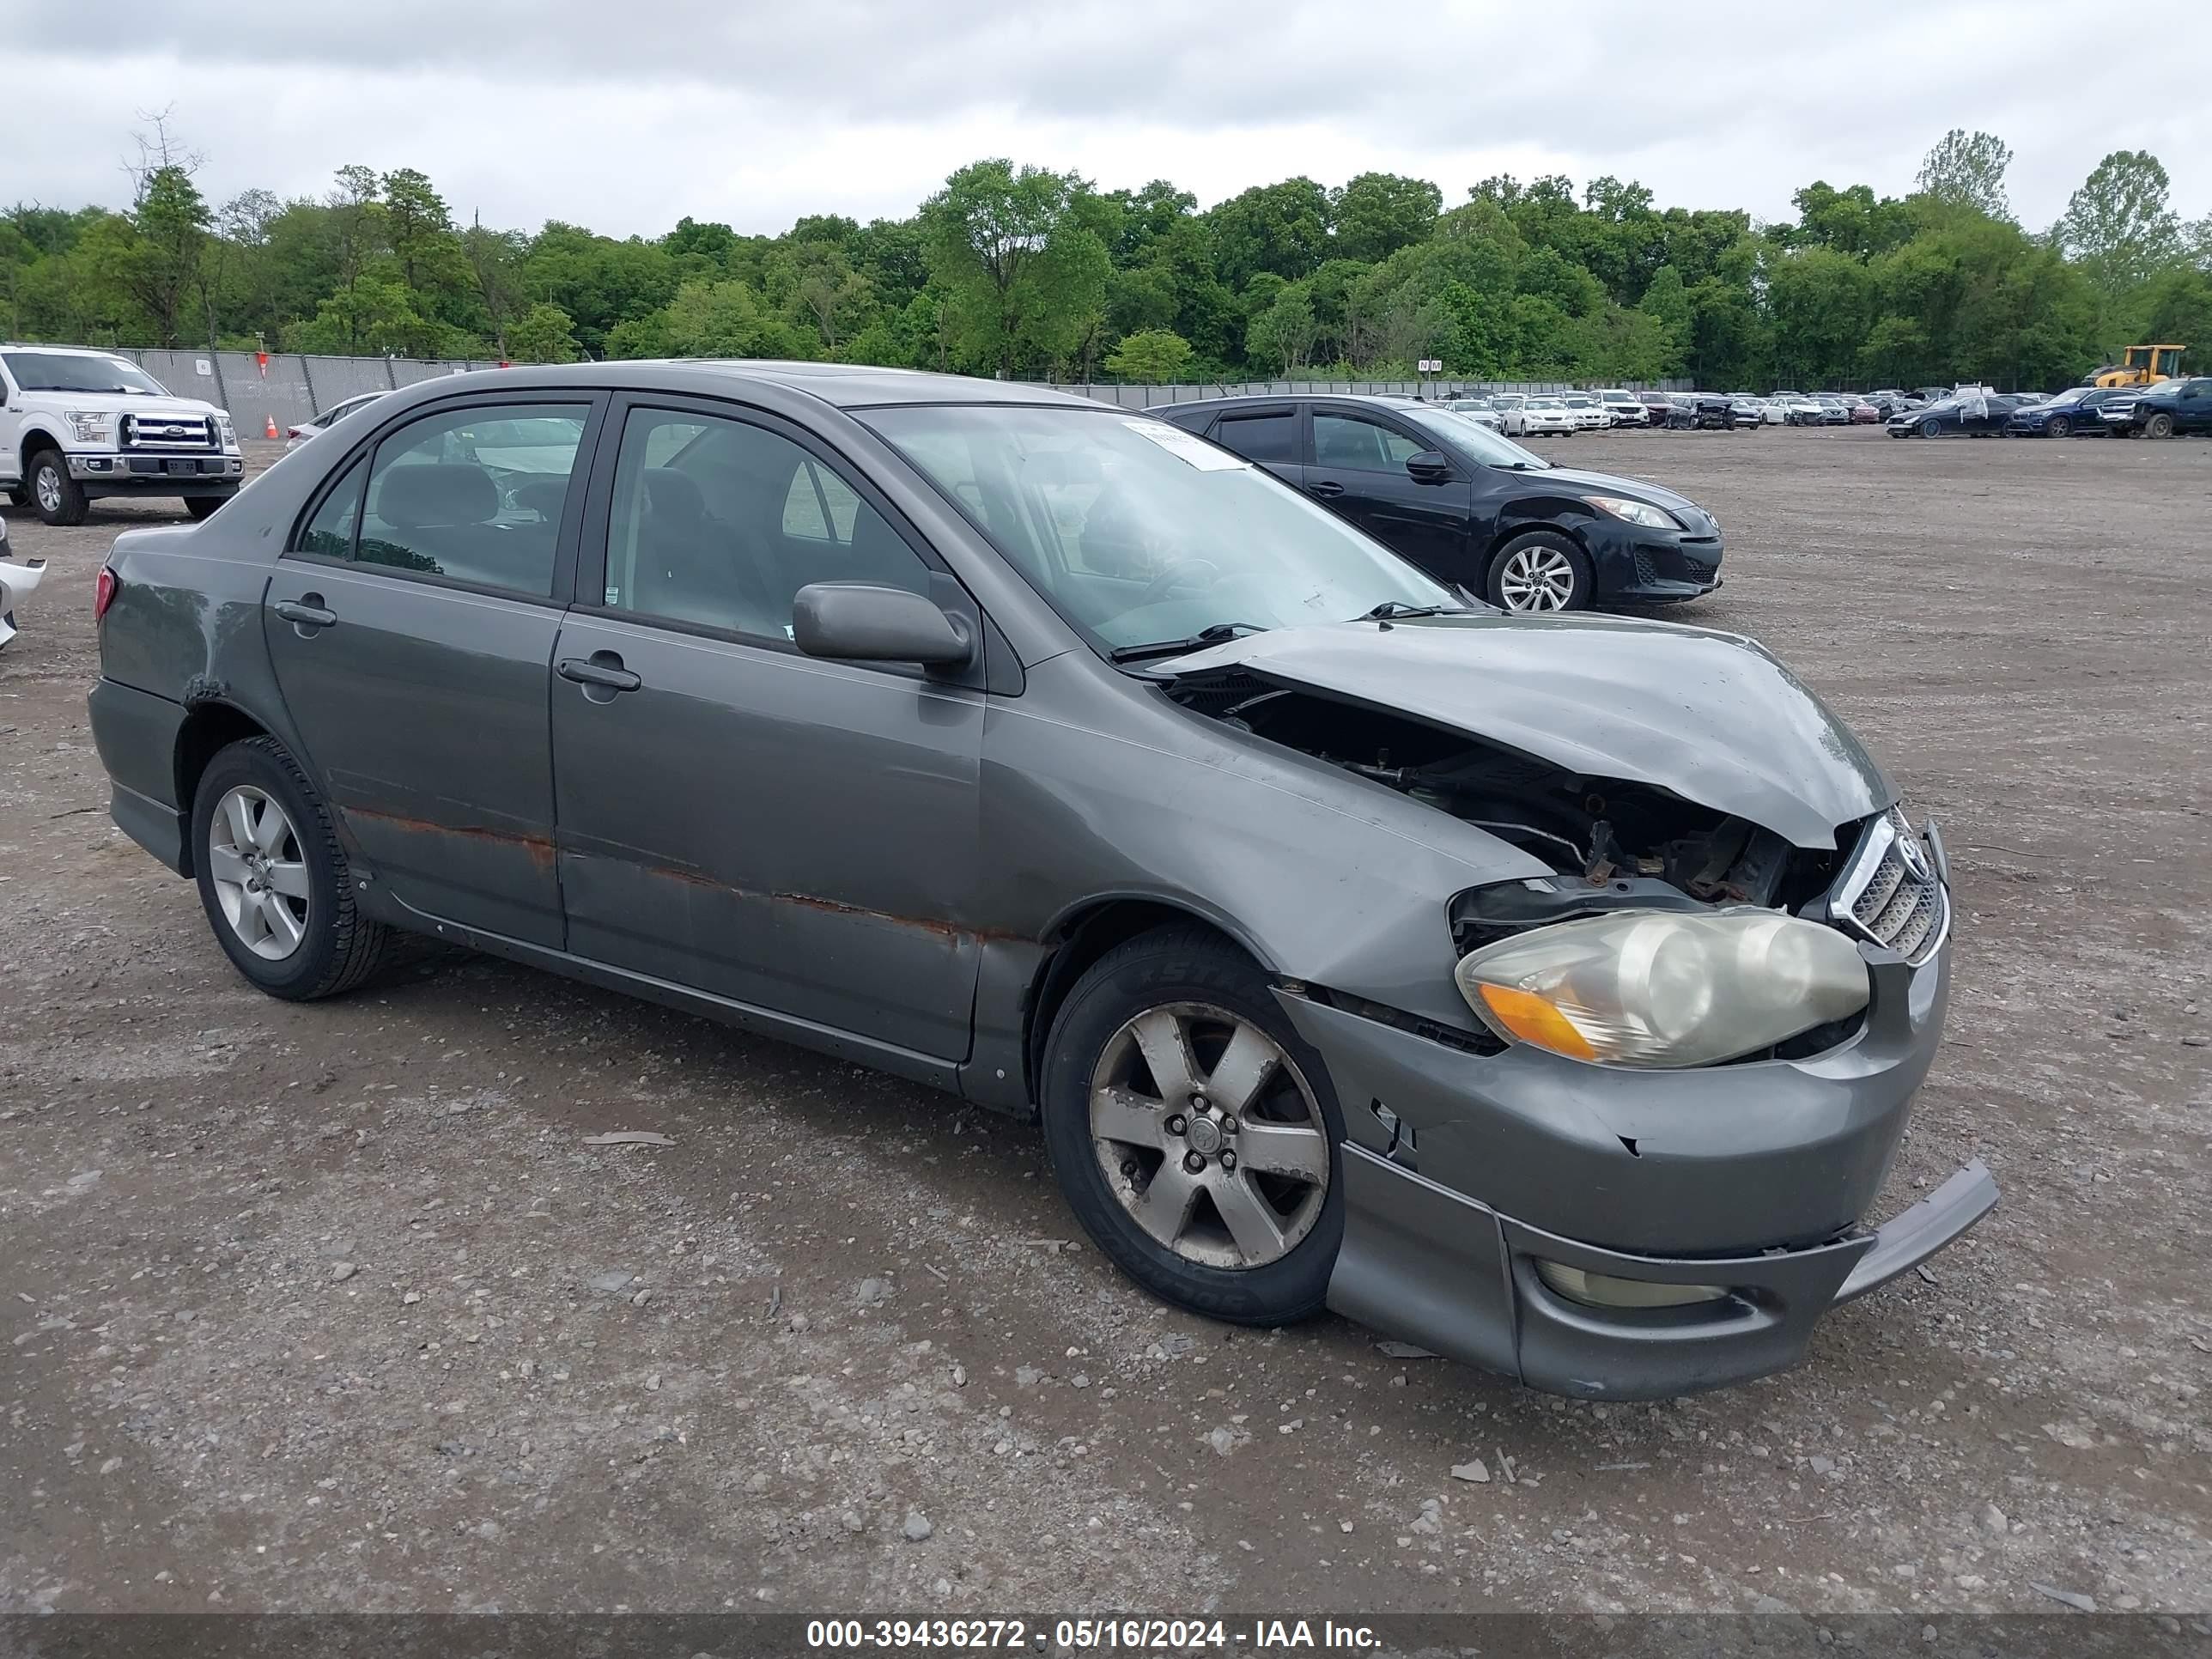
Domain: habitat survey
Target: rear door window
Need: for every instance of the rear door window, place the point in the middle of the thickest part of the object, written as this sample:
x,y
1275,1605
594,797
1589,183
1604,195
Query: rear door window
x,y
474,494
1269,435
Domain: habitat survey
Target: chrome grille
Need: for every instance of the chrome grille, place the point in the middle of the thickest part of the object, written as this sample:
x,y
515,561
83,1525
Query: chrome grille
x,y
168,434
1890,892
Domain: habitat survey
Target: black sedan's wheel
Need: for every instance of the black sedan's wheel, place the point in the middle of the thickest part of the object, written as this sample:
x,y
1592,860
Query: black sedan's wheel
x,y
2058,427
1193,1132
56,497
274,879
1930,428
1542,571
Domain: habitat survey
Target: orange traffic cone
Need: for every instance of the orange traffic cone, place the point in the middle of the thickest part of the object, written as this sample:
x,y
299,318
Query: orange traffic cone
x,y
272,432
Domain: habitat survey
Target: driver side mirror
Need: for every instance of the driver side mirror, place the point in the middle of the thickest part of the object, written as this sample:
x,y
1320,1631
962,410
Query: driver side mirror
x,y
1428,467
863,622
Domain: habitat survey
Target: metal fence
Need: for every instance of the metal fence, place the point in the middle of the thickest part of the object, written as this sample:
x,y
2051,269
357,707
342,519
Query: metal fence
x,y
286,388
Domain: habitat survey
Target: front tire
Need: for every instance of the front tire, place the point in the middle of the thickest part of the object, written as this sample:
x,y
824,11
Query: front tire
x,y
2159,426
1930,428
1540,573
274,879
202,506
56,497
1193,1132
2059,427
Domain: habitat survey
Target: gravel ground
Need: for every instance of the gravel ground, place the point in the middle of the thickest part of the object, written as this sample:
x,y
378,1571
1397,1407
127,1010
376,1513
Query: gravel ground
x,y
333,1308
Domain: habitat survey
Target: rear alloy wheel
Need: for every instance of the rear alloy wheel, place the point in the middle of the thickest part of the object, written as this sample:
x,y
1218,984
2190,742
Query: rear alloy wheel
x,y
2059,427
1540,573
274,879
2159,426
1193,1132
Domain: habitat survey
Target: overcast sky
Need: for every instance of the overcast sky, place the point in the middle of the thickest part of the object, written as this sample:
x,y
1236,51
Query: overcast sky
x,y
626,116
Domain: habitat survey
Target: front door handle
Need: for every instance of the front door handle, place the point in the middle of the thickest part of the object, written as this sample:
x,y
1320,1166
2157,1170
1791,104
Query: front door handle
x,y
603,669
1325,487
307,613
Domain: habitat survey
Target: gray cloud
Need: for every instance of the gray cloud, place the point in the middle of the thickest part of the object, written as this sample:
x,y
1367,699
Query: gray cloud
x,y
626,118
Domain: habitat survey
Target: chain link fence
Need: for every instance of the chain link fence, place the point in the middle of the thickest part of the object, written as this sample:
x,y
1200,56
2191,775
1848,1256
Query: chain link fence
x,y
287,389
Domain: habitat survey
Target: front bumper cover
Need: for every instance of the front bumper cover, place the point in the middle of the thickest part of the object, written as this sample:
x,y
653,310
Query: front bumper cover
x,y
1463,1170
198,472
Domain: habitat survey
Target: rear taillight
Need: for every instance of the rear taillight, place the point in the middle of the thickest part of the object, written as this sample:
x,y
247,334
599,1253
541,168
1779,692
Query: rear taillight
x,y
103,592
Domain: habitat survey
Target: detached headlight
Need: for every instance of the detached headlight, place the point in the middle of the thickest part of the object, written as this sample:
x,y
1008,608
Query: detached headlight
x,y
91,426
1643,512
225,432
1665,988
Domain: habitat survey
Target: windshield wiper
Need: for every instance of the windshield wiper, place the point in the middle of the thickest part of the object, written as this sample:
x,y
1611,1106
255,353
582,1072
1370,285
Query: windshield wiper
x,y
1390,610
1213,635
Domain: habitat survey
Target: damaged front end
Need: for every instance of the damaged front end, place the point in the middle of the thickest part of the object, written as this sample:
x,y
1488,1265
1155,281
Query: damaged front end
x,y
1641,1168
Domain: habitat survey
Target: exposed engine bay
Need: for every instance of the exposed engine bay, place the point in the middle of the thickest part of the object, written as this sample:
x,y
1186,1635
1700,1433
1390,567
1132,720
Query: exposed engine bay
x,y
1638,845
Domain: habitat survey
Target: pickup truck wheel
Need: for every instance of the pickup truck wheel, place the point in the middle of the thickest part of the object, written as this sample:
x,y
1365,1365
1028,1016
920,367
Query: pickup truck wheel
x,y
2159,426
274,879
202,506
56,497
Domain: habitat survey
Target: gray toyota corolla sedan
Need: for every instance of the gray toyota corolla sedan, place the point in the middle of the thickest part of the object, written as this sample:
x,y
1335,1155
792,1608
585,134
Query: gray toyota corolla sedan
x,y
1549,992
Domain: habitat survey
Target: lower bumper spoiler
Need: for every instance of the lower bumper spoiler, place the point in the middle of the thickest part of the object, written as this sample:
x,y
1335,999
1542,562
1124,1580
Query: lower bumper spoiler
x,y
1910,1237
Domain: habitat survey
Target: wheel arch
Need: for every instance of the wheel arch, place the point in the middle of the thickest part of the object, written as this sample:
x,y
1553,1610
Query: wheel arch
x,y
36,437
1085,933
210,727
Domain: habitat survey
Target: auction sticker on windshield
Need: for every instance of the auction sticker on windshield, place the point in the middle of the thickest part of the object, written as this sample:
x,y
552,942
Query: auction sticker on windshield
x,y
1196,451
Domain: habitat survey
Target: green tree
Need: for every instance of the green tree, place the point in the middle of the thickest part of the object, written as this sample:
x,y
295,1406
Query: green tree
x,y
1967,169
1282,228
1155,355
1024,275
543,334
1378,213
1666,303
1282,335
2121,228
159,266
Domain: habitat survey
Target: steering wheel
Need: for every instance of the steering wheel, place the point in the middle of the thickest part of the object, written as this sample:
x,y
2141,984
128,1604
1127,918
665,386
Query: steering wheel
x,y
1166,582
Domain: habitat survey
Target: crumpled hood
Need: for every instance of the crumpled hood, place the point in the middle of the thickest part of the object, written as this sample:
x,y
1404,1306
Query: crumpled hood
x,y
1710,716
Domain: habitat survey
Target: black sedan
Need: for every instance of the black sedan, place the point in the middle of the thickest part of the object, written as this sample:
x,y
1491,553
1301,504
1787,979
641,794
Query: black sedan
x,y
2071,413
1471,508
1973,415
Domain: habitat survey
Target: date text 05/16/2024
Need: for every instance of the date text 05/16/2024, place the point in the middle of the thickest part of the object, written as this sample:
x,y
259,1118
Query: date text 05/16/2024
x,y
1260,1637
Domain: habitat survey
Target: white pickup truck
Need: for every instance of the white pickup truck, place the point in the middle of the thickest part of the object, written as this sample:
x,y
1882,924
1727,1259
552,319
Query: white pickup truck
x,y
78,424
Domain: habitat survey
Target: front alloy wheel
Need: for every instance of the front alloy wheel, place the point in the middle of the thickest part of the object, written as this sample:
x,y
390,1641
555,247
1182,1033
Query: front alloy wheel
x,y
1539,575
1194,1131
1208,1136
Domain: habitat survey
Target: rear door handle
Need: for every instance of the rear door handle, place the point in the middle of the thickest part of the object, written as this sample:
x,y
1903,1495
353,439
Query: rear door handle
x,y
602,668
307,611
1325,487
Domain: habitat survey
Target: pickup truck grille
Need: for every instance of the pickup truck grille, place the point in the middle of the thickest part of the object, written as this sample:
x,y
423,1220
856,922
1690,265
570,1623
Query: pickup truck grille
x,y
1890,892
168,434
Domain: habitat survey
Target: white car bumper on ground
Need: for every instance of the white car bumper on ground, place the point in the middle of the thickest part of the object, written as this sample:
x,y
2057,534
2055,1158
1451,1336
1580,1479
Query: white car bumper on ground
x,y
16,580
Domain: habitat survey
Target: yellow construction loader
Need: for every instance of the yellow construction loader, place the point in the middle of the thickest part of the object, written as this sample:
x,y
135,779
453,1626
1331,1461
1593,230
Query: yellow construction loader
x,y
2143,365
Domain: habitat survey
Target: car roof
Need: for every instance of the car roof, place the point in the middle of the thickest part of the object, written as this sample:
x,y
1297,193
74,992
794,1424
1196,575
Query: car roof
x,y
1246,399
845,385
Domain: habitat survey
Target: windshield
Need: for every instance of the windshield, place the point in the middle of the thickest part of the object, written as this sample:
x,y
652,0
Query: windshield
x,y
1136,531
1545,402
1477,442
62,371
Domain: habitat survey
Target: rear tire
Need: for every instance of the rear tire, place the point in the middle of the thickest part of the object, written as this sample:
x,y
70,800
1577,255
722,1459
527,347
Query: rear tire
x,y
1194,978
56,497
333,948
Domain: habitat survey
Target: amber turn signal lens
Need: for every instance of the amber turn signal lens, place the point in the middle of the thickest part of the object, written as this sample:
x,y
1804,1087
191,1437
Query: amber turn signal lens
x,y
1532,1019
